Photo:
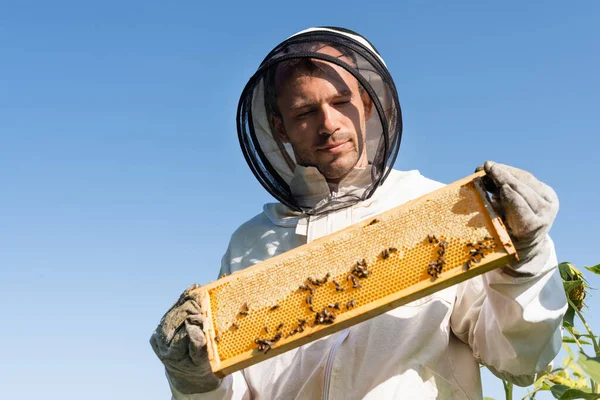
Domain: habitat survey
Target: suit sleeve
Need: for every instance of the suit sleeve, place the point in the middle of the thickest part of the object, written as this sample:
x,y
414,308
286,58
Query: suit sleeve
x,y
232,387
512,318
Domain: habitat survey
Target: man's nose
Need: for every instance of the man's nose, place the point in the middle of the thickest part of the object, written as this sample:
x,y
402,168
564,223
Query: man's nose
x,y
329,120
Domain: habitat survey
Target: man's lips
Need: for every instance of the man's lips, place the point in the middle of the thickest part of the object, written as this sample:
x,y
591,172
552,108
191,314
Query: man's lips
x,y
334,148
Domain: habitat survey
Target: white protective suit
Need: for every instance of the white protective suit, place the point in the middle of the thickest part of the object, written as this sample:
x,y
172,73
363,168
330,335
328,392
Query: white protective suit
x,y
428,349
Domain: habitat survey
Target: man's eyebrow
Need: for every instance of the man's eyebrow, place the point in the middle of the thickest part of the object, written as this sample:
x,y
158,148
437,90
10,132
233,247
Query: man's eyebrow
x,y
302,103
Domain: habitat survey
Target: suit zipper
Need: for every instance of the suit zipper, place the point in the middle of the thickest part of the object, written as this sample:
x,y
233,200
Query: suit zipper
x,y
329,366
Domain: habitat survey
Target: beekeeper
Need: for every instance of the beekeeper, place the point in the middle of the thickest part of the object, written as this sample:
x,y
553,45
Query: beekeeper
x,y
320,126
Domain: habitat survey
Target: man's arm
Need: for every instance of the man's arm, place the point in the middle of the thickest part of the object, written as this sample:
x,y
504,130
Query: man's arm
x,y
513,323
512,317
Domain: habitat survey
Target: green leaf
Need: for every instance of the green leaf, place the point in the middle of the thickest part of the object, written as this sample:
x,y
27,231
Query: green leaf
x,y
570,394
488,398
558,390
568,318
595,269
587,335
546,385
571,340
591,365
566,270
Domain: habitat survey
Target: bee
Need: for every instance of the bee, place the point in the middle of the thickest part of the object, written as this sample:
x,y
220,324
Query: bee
x,y
441,252
337,286
432,239
243,312
311,308
355,283
392,249
273,308
280,326
309,299
475,252
385,254
217,339
470,245
468,265
304,287
374,222
335,306
301,321
431,271
350,304
263,345
235,326
245,307
266,329
277,337
475,260
487,237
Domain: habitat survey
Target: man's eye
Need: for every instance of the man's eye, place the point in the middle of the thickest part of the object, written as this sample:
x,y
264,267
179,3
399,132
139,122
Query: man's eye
x,y
342,102
304,114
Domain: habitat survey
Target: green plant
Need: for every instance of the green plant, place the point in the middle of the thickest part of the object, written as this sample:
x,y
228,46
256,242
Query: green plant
x,y
577,377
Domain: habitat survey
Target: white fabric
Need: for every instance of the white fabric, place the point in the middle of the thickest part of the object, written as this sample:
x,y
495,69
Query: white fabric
x,y
428,349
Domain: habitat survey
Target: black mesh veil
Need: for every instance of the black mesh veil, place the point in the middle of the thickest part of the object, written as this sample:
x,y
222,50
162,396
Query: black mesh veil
x,y
299,186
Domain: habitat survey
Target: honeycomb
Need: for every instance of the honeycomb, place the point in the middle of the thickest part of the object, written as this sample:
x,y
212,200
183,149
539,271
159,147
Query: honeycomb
x,y
252,304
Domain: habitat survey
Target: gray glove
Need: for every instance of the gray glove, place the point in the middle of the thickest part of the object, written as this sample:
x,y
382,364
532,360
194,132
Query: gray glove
x,y
527,206
179,343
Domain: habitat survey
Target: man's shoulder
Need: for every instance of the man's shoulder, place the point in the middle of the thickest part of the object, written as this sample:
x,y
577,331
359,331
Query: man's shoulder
x,y
410,183
253,228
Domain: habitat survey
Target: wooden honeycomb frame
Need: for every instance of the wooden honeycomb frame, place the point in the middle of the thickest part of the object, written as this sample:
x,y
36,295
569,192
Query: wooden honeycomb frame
x,y
459,213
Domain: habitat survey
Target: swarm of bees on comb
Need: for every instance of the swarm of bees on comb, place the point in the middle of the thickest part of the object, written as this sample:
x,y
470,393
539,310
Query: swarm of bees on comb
x,y
358,272
477,251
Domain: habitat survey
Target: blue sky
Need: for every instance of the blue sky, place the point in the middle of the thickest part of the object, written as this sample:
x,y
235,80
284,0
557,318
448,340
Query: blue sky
x,y
122,179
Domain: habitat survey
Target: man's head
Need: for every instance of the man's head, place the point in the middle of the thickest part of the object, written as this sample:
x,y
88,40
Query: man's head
x,y
321,110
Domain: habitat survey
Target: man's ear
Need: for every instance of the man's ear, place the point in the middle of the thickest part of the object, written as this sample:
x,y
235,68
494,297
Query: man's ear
x,y
367,102
279,129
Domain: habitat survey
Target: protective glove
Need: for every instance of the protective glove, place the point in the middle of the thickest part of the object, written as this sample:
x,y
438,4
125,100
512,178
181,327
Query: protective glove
x,y
179,343
527,206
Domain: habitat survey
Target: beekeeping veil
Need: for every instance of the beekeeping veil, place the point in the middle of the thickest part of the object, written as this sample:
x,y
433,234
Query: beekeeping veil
x,y
302,187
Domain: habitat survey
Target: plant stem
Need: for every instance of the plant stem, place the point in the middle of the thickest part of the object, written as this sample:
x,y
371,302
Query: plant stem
x,y
592,337
508,389
595,386
576,341
530,394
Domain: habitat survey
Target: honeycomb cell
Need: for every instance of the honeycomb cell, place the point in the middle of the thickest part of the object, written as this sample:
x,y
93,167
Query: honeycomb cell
x,y
456,214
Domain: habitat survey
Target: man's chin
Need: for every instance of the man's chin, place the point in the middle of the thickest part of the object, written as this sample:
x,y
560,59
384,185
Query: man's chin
x,y
336,174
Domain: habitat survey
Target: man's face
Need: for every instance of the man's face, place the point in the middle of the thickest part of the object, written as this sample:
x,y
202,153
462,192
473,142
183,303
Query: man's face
x,y
323,117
